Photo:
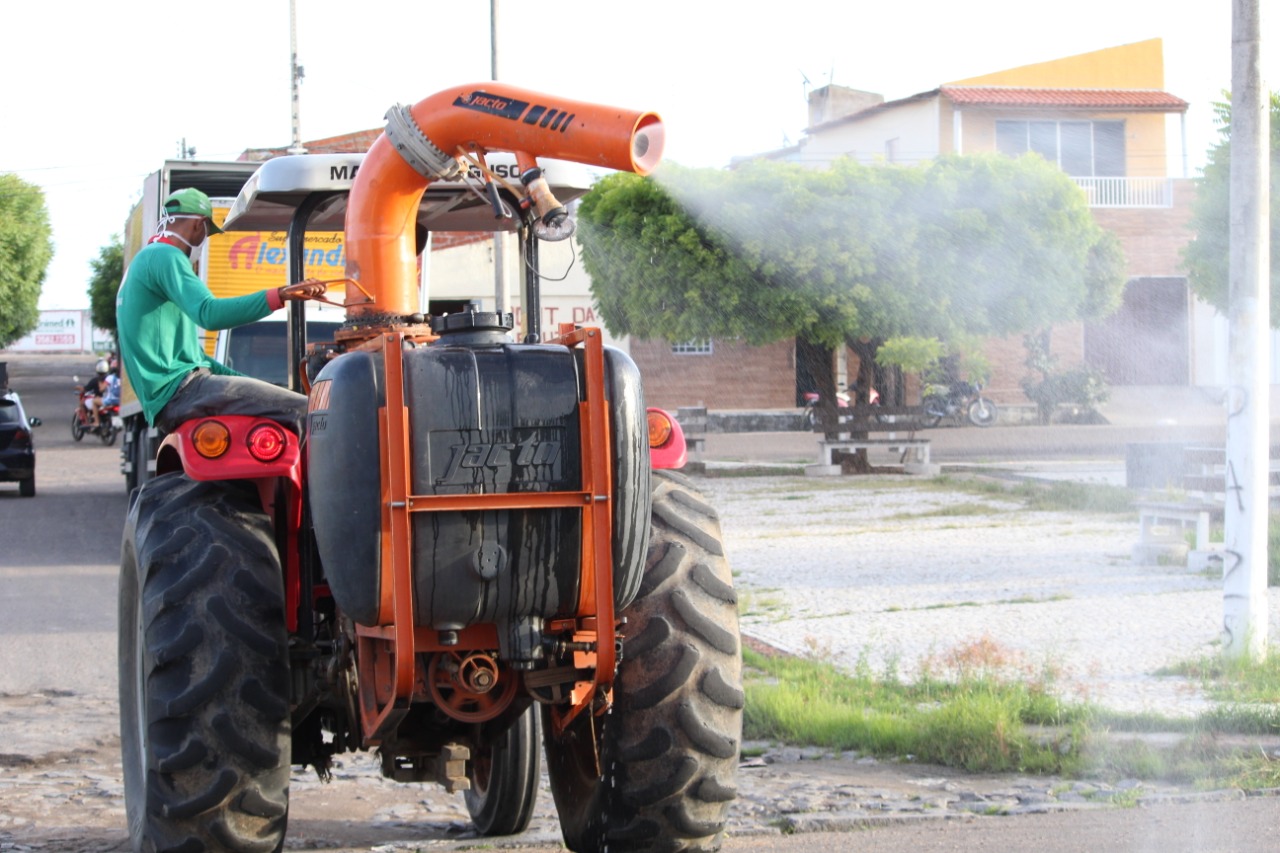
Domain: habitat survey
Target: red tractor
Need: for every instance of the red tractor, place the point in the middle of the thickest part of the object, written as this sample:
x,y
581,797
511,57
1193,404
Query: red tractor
x,y
475,552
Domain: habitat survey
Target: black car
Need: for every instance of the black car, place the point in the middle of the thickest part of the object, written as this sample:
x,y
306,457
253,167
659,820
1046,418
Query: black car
x,y
17,451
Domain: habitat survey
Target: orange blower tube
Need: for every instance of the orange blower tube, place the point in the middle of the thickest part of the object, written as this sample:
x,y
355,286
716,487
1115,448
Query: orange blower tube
x,y
383,206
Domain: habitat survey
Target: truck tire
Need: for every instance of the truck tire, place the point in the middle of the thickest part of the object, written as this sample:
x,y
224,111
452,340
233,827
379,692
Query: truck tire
x,y
504,778
204,674
669,747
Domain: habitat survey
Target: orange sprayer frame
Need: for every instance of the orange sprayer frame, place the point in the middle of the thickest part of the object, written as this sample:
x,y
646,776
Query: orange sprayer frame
x,y
381,217
395,643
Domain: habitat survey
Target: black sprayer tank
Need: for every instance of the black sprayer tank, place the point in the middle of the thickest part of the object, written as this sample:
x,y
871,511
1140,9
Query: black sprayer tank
x,y
486,416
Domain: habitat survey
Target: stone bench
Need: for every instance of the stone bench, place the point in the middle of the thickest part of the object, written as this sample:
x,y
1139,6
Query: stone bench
x,y
1164,522
874,429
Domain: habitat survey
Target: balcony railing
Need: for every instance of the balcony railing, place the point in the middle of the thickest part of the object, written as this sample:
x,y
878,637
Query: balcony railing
x,y
1127,192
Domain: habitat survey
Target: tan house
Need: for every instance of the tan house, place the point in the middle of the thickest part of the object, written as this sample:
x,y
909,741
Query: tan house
x,y
1104,118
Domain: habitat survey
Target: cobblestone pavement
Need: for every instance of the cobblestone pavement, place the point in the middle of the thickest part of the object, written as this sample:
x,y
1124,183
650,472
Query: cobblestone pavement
x,y
856,571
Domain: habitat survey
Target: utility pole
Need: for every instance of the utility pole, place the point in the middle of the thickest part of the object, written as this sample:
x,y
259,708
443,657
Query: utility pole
x,y
501,295
1244,579
295,78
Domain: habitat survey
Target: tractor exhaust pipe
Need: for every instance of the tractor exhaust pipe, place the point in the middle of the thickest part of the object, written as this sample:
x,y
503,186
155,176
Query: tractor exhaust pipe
x,y
422,144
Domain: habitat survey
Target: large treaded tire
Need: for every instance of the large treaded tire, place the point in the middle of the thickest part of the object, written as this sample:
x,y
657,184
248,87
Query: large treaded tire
x,y
669,747
204,675
504,778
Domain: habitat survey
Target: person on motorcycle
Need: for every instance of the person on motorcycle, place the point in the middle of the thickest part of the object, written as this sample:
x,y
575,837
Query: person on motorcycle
x,y
161,306
111,394
91,392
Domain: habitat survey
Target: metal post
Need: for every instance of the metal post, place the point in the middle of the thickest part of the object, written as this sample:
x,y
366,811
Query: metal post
x,y
1244,592
500,295
295,77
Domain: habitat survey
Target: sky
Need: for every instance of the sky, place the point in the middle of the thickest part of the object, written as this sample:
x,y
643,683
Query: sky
x,y
97,95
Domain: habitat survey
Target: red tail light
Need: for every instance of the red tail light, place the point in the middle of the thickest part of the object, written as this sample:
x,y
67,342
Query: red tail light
x,y
266,442
20,438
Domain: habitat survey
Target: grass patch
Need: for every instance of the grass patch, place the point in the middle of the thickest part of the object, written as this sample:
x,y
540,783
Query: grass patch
x,y
1241,681
980,707
1054,496
964,508
971,710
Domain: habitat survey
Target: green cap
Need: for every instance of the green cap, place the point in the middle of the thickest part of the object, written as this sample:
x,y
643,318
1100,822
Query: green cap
x,y
192,201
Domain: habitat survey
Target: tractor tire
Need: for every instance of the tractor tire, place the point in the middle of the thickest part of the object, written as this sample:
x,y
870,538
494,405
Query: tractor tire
x,y
668,749
504,778
204,673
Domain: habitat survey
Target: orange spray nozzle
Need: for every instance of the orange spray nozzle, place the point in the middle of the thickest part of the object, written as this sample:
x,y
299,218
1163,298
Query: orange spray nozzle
x,y
418,147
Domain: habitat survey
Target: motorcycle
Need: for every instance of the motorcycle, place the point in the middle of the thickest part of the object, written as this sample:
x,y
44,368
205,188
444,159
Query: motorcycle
x,y
109,422
843,401
943,401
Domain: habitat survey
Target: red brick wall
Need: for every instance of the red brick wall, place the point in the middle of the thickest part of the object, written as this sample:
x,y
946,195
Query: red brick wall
x,y
1152,238
734,376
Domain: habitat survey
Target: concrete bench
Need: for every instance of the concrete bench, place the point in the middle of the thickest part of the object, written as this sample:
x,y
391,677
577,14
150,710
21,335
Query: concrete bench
x,y
874,429
1163,522
693,421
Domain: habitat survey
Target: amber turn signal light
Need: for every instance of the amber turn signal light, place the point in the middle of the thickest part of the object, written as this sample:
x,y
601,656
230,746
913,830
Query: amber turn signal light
x,y
266,442
211,439
659,429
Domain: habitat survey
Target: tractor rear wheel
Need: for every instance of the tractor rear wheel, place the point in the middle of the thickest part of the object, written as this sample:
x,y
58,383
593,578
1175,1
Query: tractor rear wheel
x,y
204,674
504,778
668,749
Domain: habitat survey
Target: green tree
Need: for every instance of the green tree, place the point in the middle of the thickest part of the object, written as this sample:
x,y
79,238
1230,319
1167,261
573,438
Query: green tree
x,y
852,254
26,247
108,270
1207,256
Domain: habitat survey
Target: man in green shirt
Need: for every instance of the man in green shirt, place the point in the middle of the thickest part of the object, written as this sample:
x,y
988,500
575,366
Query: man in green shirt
x,y
160,308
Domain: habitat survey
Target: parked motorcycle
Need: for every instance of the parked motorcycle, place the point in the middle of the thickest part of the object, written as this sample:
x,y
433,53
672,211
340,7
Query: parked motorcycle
x,y
942,401
109,422
843,401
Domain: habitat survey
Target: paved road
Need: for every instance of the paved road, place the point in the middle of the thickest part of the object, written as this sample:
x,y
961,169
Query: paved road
x,y
61,549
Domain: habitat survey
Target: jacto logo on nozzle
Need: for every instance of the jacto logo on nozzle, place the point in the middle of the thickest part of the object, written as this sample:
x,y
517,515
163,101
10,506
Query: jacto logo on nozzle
x,y
550,118
491,104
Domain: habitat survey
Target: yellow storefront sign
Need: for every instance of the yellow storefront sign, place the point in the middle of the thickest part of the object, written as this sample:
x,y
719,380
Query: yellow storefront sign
x,y
243,262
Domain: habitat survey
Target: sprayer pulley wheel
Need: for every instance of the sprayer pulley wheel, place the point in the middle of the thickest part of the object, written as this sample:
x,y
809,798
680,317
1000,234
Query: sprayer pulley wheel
x,y
472,688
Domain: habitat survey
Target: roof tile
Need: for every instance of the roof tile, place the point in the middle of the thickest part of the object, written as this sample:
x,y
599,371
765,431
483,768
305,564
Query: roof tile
x,y
1127,100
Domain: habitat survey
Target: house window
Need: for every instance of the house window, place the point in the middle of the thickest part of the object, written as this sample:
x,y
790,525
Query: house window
x,y
1080,148
692,348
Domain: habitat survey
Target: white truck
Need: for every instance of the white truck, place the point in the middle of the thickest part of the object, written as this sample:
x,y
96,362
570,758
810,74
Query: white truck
x,y
241,262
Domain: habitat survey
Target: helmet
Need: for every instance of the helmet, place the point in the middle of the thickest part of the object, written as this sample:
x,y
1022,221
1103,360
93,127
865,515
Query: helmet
x,y
102,367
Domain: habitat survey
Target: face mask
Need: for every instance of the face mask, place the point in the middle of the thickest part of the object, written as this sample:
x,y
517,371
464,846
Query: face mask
x,y
193,249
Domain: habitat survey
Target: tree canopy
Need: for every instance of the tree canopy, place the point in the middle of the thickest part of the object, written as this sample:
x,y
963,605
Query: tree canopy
x,y
26,247
977,244
1208,255
108,270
